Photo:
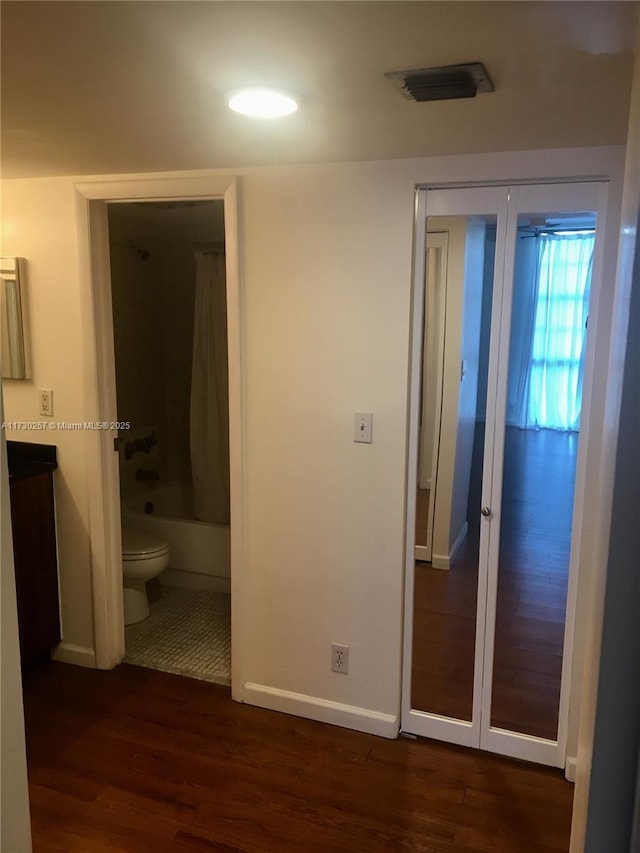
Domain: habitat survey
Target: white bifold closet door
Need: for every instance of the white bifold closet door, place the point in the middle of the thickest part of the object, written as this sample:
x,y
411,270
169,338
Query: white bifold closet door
x,y
504,280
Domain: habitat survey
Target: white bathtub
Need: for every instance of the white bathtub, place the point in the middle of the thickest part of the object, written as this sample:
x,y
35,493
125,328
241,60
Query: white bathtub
x,y
199,552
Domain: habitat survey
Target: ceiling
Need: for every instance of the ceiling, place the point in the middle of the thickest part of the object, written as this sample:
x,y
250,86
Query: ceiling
x,y
119,87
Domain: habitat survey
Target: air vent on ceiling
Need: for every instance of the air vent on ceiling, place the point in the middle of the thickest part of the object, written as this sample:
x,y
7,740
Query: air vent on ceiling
x,y
442,83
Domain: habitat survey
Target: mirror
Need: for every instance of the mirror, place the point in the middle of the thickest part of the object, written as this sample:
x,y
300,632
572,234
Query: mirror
x,y
458,291
12,339
552,279
460,252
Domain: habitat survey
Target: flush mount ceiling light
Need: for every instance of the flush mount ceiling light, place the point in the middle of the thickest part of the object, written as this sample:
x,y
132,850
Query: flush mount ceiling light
x,y
262,103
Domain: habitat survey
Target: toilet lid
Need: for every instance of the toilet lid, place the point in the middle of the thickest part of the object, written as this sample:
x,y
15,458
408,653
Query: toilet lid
x,y
137,543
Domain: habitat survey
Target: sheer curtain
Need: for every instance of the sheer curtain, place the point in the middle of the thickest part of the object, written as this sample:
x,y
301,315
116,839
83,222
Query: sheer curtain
x,y
523,317
554,385
209,412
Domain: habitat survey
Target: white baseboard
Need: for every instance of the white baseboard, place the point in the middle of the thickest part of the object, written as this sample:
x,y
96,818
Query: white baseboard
x,y
313,708
194,580
421,552
570,769
78,655
443,561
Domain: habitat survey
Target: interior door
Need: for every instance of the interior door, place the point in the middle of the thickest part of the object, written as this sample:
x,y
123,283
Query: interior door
x,y
447,587
552,247
489,617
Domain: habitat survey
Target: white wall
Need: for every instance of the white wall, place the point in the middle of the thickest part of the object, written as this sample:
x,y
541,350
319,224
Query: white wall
x,y
616,746
609,739
325,280
39,224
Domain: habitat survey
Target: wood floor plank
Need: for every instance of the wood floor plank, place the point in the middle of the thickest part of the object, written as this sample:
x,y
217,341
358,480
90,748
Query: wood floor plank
x,y
145,762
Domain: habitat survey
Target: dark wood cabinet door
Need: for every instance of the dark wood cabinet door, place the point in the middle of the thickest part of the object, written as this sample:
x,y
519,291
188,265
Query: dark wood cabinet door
x,y
34,547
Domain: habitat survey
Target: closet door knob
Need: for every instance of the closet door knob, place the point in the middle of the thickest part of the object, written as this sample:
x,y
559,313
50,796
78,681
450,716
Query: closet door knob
x,y
486,511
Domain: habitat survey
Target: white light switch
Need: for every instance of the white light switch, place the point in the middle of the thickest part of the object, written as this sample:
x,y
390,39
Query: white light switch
x,y
363,427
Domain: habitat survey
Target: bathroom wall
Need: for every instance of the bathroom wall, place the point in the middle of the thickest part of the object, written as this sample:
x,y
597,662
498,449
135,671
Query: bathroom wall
x,y
138,325
325,264
153,272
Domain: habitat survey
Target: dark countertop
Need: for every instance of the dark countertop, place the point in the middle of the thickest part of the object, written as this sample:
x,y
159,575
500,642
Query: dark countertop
x,y
27,459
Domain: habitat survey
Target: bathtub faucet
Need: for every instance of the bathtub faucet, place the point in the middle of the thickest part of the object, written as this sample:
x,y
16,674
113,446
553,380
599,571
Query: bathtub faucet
x,y
140,445
144,476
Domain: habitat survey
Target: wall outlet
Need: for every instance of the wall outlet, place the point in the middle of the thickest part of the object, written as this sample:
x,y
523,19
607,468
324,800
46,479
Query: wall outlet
x,y
46,402
339,658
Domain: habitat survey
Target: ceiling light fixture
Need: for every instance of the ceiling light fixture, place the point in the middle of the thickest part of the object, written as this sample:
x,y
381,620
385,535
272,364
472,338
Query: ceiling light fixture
x,y
262,103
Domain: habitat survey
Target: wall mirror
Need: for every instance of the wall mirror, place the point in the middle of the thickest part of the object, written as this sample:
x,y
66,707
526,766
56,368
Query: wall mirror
x,y
12,333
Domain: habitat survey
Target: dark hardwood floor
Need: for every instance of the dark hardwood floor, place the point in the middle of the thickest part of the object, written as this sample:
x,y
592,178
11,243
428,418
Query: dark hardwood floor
x,y
532,580
531,601
146,762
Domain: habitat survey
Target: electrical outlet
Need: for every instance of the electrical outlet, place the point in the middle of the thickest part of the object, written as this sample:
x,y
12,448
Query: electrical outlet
x,y
340,658
46,402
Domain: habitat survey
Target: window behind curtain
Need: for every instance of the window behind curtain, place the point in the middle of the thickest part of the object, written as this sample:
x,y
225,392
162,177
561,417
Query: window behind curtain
x,y
555,379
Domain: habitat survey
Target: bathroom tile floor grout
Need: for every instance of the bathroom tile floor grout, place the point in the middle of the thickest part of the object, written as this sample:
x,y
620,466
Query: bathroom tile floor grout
x,y
188,633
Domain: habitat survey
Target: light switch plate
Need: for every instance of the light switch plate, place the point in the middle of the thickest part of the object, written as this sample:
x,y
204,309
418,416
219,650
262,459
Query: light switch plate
x,y
363,427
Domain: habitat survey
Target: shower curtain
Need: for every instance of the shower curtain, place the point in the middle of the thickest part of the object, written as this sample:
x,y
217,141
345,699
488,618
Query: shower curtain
x,y
210,392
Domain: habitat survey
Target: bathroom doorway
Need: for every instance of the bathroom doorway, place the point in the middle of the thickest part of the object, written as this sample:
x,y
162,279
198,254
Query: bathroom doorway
x,y
168,294
93,200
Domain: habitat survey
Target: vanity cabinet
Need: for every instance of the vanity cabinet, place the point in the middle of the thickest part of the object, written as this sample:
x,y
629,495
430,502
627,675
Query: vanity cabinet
x,y
35,556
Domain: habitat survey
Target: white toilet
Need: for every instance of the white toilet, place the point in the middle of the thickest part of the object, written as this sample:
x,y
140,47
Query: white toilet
x,y
143,558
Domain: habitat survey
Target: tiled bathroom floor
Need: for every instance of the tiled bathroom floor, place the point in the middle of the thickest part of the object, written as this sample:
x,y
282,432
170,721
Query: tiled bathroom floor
x,y
187,633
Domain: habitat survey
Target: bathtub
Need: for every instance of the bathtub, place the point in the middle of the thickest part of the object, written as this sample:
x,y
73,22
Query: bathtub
x,y
199,552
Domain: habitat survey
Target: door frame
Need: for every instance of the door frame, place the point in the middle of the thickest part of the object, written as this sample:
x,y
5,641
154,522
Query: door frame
x,y
442,728
437,241
91,198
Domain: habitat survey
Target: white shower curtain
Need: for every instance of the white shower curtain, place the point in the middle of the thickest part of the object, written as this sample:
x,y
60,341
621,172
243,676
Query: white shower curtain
x,y
210,392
